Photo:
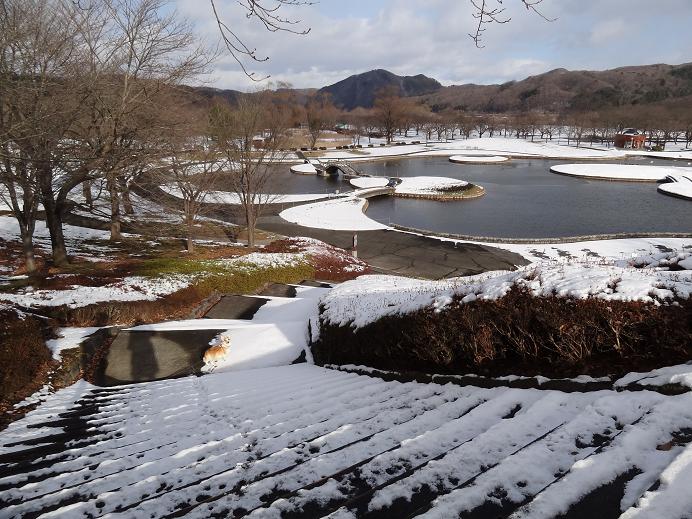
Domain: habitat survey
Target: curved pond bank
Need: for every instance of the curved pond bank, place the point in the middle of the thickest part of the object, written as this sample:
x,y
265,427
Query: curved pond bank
x,y
525,200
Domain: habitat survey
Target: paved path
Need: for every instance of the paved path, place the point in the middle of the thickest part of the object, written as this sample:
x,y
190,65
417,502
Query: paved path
x,y
408,254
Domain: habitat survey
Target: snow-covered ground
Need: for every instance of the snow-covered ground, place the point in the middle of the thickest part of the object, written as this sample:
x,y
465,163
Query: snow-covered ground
x,y
345,214
279,441
593,250
227,197
621,171
473,147
557,148
132,288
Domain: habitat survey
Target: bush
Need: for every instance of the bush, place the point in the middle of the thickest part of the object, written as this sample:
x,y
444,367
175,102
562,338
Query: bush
x,y
519,334
24,357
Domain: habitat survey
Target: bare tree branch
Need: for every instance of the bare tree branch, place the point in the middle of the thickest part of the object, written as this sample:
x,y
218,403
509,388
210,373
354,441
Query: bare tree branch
x,y
493,11
268,14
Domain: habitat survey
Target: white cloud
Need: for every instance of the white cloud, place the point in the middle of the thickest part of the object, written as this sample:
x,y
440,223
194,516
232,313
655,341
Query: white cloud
x,y
431,37
607,31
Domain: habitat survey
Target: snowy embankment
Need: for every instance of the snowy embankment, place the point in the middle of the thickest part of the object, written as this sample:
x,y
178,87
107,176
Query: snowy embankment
x,y
367,299
345,214
620,171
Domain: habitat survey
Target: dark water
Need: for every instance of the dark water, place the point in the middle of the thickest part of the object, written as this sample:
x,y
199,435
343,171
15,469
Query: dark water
x,y
523,200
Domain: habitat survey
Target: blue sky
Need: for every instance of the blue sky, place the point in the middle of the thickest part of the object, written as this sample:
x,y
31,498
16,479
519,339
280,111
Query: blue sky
x,y
430,37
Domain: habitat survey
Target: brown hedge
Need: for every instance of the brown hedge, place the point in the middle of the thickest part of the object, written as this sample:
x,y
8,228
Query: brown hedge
x,y
24,357
519,334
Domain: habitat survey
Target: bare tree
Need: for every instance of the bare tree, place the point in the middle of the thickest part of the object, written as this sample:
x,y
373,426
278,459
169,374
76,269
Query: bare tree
x,y
194,169
251,139
320,115
37,106
136,54
389,111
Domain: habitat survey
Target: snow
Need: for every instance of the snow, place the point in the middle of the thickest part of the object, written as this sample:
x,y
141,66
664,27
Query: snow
x,y
620,171
304,169
590,250
231,198
369,298
680,186
366,182
345,214
428,185
478,159
681,374
69,338
133,288
490,146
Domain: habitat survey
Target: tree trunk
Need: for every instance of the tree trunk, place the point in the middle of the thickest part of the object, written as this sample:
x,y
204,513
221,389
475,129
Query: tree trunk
x,y
53,217
28,249
250,223
127,201
115,209
86,192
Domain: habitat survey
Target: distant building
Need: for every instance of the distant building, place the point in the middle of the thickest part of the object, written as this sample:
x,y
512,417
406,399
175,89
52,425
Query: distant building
x,y
630,138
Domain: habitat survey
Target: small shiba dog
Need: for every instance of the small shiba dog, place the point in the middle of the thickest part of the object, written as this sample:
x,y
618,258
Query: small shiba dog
x,y
218,351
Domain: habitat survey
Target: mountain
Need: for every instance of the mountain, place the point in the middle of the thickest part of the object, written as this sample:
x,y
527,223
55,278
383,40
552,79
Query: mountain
x,y
562,89
360,90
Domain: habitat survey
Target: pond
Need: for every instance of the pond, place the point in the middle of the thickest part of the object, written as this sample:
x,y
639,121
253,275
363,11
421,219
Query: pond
x,y
523,200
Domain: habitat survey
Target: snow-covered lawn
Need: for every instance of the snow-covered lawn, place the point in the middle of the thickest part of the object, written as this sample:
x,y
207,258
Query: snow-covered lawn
x,y
369,298
132,288
501,146
227,197
428,185
620,171
345,214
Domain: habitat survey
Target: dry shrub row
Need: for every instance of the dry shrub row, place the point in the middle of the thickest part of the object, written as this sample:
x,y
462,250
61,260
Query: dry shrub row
x,y
519,334
24,357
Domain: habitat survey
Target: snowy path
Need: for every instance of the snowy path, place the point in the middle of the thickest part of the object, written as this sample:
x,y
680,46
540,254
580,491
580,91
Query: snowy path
x,y
304,441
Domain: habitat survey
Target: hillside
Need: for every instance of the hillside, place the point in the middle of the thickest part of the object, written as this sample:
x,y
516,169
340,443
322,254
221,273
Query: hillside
x,y
360,90
562,89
